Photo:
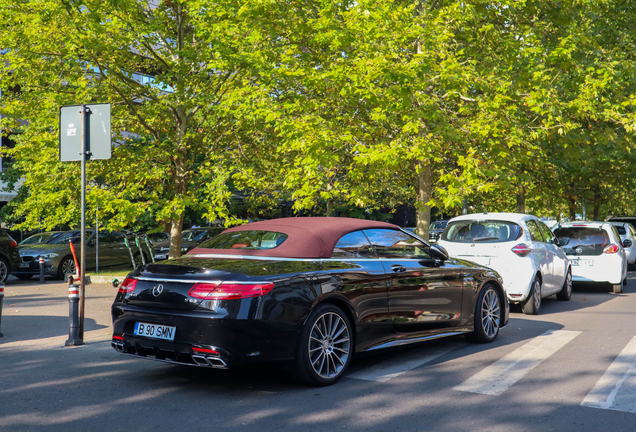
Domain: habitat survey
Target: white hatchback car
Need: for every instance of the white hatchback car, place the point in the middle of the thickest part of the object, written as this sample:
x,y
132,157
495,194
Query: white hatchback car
x,y
520,248
596,252
627,231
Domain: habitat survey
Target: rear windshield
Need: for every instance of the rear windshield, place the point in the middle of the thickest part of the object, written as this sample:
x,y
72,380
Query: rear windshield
x,y
252,240
591,241
472,231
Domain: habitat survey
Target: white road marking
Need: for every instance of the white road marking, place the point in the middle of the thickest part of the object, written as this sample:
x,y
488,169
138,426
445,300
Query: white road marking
x,y
499,376
605,393
404,362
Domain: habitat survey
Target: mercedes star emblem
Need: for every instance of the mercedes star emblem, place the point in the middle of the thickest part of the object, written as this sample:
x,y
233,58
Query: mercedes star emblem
x,y
157,290
578,250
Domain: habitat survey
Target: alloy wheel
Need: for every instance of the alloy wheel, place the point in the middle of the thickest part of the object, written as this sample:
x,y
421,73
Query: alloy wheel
x,y
68,267
490,313
4,271
329,345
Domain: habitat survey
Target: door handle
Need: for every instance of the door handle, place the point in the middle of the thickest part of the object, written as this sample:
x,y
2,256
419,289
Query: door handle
x,y
398,268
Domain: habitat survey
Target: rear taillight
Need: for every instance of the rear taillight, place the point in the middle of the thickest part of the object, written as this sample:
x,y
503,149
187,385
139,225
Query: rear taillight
x,y
13,243
611,249
128,285
229,290
522,249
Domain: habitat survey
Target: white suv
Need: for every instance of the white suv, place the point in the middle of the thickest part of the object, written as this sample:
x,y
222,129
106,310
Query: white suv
x,y
596,252
520,248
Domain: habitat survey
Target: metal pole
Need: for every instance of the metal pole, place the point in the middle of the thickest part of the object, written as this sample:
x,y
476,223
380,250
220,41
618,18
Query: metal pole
x,y
41,262
84,113
97,239
1,301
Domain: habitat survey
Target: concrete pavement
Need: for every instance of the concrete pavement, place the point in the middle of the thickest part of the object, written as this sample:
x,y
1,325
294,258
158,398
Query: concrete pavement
x,y
44,386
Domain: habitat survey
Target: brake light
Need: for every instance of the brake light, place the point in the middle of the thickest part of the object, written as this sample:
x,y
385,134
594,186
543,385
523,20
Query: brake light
x,y
117,337
128,285
522,249
611,249
13,243
229,290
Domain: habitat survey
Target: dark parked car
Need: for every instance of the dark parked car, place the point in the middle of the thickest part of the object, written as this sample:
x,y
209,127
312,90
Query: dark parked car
x,y
436,230
190,239
9,256
58,260
312,290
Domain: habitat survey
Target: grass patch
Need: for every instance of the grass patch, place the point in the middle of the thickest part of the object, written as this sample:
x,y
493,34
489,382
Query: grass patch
x,y
122,271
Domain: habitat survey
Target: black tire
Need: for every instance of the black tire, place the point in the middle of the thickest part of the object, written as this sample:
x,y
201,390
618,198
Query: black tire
x,y
566,292
66,268
532,304
487,316
317,351
23,277
617,288
138,261
5,270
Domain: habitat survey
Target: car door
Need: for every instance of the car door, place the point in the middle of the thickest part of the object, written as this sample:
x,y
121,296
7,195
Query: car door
x,y
355,272
424,294
542,256
559,260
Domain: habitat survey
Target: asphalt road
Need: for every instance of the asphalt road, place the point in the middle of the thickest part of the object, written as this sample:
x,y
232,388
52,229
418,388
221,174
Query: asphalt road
x,y
569,369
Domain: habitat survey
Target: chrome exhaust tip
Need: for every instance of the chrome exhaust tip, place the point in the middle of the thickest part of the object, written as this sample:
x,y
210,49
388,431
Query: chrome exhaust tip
x,y
119,346
199,360
216,362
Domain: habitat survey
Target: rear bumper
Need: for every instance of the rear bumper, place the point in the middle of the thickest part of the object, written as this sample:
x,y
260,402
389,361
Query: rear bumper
x,y
237,341
605,269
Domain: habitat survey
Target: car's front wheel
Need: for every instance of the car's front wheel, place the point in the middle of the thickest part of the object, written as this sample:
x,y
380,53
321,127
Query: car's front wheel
x,y
66,268
533,303
325,347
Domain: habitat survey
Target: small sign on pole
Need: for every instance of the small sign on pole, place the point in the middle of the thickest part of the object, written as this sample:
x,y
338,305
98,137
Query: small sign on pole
x,y
84,135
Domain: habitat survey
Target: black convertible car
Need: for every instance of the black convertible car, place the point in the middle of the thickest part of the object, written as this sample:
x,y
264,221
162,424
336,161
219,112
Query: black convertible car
x,y
312,290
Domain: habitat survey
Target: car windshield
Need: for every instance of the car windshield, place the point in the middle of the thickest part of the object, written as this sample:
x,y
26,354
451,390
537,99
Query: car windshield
x,y
69,236
192,235
439,225
473,231
158,237
253,240
40,238
583,240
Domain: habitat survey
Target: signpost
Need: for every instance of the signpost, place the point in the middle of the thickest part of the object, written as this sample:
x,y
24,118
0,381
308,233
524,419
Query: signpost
x,y
84,135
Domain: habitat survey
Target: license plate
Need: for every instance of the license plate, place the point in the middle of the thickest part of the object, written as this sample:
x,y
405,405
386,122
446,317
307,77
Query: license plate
x,y
155,331
582,262
24,265
161,256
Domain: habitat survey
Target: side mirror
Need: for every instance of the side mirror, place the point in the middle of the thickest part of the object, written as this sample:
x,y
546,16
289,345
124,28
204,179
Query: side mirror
x,y
627,243
439,252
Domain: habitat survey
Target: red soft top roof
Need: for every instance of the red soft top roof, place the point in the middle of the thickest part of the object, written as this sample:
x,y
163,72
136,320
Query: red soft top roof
x,y
308,237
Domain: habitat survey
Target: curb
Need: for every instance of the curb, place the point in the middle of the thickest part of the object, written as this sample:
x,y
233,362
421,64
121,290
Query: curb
x,y
103,279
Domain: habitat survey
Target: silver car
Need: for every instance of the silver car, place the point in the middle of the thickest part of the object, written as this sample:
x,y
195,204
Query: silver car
x,y
58,259
627,231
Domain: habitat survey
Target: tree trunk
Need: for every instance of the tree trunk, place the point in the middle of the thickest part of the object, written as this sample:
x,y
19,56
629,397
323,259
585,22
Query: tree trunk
x,y
521,200
572,208
329,201
424,194
597,206
180,188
